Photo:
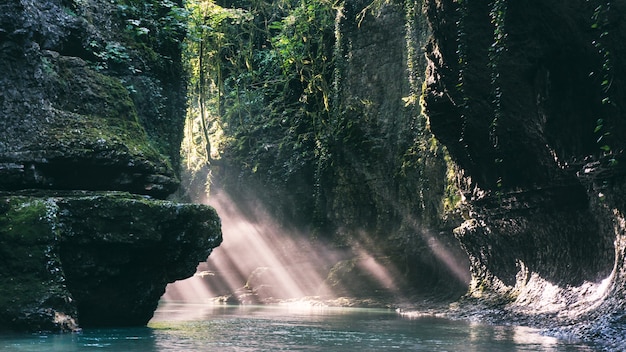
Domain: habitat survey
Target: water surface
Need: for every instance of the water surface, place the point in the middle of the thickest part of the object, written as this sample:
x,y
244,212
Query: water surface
x,y
189,327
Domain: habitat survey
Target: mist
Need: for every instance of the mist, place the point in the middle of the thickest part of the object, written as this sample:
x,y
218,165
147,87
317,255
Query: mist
x,y
264,261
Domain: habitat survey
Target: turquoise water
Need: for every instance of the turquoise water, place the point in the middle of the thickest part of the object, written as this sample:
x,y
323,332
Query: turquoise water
x,y
187,327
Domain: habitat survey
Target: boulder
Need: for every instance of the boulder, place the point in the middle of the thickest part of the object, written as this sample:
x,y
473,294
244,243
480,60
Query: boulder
x,y
95,259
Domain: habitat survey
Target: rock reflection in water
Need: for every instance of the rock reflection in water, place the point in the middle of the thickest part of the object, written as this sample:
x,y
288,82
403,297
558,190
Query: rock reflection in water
x,y
298,327
310,327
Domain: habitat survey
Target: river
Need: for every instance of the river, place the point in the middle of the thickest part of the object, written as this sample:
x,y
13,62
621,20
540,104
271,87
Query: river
x,y
195,327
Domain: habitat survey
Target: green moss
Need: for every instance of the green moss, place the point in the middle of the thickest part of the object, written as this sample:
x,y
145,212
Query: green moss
x,y
452,194
102,116
116,217
90,134
27,240
21,292
24,220
87,92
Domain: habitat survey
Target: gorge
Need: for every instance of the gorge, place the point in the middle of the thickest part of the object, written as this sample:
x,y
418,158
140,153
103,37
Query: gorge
x,y
516,160
472,148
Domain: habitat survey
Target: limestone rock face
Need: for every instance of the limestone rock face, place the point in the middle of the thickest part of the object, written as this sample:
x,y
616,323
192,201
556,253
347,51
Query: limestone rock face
x,y
389,177
91,118
370,175
529,101
118,261
84,103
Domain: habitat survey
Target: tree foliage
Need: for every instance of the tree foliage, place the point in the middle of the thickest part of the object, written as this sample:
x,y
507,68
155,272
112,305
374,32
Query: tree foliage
x,y
261,86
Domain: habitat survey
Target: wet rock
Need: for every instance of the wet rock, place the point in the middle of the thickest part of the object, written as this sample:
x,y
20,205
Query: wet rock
x,y
33,290
520,96
88,111
95,259
71,116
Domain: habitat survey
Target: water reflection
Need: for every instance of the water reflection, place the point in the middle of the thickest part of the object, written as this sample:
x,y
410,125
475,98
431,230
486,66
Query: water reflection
x,y
309,327
127,339
187,327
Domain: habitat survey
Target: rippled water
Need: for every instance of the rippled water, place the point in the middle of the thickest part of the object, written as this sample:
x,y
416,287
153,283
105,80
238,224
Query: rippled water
x,y
187,327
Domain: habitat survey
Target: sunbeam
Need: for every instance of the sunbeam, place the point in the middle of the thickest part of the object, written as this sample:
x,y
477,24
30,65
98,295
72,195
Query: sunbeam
x,y
456,264
259,261
263,261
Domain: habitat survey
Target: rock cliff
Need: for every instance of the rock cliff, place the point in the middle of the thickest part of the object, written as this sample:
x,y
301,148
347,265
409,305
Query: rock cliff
x,y
92,97
389,175
529,100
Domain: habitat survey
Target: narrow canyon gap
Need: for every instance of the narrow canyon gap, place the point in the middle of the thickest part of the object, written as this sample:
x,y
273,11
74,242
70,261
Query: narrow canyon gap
x,y
388,152
516,162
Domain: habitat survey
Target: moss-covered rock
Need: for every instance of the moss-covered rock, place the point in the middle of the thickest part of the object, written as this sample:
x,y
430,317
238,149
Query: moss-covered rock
x,y
33,293
71,117
95,259
89,104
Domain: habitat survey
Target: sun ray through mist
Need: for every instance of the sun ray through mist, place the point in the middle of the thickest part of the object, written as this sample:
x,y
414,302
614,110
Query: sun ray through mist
x,y
457,266
258,259
261,260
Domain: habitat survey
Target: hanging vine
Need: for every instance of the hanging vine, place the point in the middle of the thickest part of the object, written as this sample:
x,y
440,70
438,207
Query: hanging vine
x,y
461,51
496,51
206,46
601,22
261,86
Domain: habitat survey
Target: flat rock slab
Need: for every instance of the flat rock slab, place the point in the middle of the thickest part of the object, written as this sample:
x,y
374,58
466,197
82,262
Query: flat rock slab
x,y
95,259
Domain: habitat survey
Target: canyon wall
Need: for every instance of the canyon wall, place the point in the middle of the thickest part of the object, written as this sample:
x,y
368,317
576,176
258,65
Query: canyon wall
x,y
93,100
516,163
529,101
321,125
389,178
